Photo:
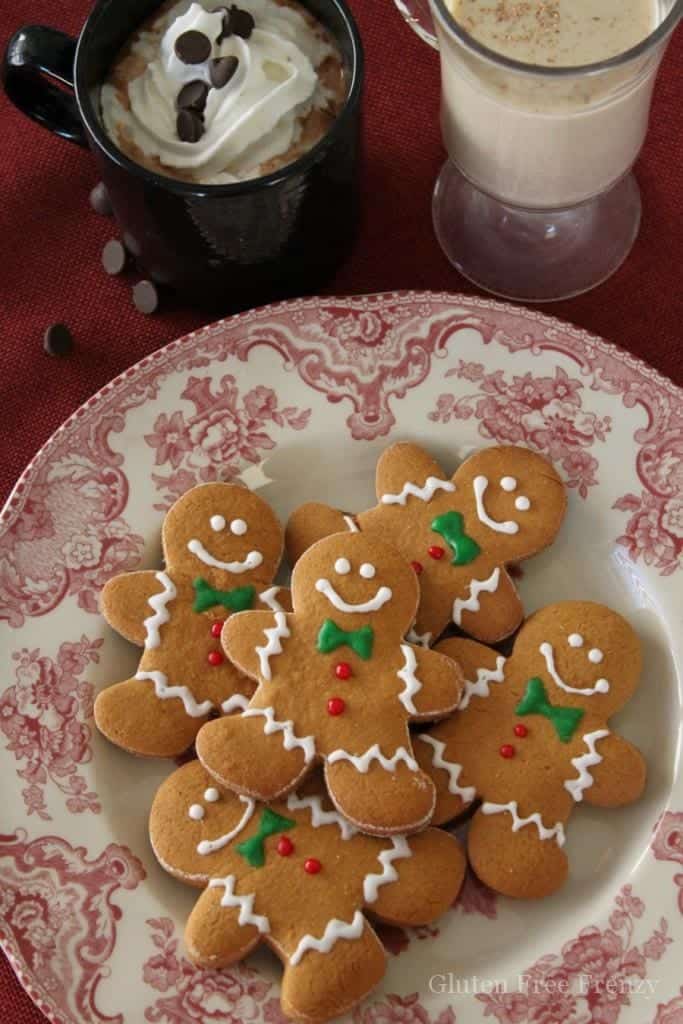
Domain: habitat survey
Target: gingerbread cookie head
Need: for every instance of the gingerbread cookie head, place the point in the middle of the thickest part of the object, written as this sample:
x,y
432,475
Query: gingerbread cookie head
x,y
296,875
225,533
349,577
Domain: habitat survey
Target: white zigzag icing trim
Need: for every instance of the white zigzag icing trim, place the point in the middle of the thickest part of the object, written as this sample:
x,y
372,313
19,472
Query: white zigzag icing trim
x,y
245,903
471,603
556,832
412,684
334,931
235,703
207,846
183,693
158,603
274,635
351,524
289,738
361,762
466,793
480,688
319,816
388,874
269,598
425,493
419,639
584,780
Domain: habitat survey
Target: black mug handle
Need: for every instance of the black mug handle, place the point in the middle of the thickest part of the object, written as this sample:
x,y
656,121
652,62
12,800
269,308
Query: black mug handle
x,y
35,54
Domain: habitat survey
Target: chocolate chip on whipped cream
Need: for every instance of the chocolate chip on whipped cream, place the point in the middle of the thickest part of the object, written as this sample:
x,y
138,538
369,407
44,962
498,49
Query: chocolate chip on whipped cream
x,y
193,47
190,126
240,23
193,96
221,70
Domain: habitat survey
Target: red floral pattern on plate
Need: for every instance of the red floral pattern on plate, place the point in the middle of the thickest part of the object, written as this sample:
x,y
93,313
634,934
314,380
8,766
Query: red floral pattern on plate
x,y
400,1010
58,920
667,844
671,1012
225,433
42,716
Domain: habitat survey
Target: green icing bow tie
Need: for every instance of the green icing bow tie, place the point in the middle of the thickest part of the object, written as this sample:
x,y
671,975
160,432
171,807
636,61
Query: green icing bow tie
x,y
253,850
331,637
535,702
451,526
237,600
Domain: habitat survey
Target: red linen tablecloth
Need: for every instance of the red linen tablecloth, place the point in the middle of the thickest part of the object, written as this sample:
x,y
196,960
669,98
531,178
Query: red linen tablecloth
x,y
50,246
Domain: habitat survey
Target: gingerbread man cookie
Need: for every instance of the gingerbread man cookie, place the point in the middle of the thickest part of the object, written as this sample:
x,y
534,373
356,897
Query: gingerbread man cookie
x,y
531,740
337,683
296,875
502,505
222,547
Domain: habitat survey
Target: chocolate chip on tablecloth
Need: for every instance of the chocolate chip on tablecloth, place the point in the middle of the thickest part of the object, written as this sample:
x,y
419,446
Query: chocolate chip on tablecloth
x,y
100,201
146,297
193,96
190,126
193,47
58,340
221,70
114,257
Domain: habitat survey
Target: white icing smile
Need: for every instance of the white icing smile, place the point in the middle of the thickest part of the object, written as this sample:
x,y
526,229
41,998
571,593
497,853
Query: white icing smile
x,y
480,486
383,595
252,561
601,685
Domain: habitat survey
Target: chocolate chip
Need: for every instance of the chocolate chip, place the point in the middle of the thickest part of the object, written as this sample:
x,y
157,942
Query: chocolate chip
x,y
221,70
146,297
240,23
58,340
193,96
99,200
190,126
114,257
193,47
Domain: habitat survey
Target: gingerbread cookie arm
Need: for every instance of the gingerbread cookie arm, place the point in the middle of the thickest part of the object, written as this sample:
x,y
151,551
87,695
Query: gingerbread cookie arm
x,y
610,772
310,523
418,880
223,927
247,634
489,608
437,754
406,472
432,683
124,601
277,599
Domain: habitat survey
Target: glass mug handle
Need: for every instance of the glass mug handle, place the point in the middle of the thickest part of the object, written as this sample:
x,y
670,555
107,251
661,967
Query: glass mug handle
x,y
419,17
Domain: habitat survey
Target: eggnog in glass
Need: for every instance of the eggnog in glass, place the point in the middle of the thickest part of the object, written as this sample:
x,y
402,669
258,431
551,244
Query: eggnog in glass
x,y
545,107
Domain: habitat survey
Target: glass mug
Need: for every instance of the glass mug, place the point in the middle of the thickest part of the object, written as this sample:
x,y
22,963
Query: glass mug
x,y
538,200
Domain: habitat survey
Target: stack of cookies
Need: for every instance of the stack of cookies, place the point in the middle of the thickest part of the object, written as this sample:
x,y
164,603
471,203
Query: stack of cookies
x,y
312,805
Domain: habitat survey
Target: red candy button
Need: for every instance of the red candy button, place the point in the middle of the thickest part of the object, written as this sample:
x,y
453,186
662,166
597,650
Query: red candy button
x,y
312,866
336,706
343,670
436,552
215,658
285,846
521,731
507,750
416,567
217,628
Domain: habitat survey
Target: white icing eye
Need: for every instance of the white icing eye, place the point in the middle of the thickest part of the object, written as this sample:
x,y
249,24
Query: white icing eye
x,y
595,655
522,504
211,795
575,640
367,571
196,812
508,483
342,566
217,523
238,527
602,686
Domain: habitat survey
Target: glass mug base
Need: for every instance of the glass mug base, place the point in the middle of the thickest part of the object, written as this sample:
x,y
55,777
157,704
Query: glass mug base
x,y
534,255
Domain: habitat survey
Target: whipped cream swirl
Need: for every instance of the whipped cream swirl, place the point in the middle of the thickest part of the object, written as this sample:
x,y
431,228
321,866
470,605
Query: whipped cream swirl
x,y
252,119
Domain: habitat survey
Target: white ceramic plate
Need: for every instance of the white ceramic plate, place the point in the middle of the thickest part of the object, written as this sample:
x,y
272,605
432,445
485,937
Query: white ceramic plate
x,y
300,399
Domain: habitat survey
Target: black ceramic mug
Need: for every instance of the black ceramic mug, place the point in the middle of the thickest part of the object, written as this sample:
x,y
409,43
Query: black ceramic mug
x,y
229,246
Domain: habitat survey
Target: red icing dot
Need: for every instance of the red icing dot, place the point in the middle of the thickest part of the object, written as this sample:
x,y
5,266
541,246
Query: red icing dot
x,y
521,731
417,567
343,670
285,846
215,658
336,706
312,866
507,750
217,628
436,552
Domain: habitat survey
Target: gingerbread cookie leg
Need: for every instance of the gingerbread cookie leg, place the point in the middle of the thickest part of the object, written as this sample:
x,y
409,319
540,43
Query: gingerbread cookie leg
x,y
255,753
221,929
516,853
132,716
328,974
